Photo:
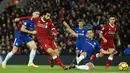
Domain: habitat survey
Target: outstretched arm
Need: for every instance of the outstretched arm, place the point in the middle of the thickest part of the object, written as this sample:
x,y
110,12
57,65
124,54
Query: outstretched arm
x,y
70,30
23,28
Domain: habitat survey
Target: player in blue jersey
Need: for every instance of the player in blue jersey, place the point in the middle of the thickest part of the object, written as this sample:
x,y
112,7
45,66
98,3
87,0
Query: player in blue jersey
x,y
80,31
88,45
21,36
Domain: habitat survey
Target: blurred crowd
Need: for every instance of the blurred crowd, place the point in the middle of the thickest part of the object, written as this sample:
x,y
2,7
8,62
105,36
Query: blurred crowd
x,y
93,13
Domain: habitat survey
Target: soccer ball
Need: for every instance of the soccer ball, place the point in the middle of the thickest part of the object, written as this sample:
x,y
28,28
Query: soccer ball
x,y
123,66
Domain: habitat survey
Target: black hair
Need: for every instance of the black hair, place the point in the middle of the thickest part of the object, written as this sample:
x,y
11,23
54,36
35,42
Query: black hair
x,y
46,11
91,30
112,16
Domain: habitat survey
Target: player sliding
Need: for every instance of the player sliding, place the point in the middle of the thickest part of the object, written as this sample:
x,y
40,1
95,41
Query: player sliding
x,y
45,31
107,43
89,44
22,37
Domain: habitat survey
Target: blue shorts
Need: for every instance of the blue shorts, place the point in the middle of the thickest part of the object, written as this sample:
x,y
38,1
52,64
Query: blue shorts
x,y
87,59
78,46
22,39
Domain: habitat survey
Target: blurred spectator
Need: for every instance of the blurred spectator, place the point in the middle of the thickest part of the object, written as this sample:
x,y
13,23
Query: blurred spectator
x,y
94,14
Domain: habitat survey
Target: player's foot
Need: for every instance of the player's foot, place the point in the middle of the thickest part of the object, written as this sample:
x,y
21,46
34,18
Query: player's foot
x,y
72,66
51,61
107,66
65,68
3,65
32,65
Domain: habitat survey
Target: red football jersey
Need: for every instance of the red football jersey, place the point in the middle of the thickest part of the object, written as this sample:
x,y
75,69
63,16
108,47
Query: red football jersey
x,y
43,28
109,31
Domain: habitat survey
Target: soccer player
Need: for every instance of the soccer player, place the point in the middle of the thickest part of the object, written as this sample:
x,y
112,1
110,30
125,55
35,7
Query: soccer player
x,y
80,31
22,37
89,44
45,31
108,32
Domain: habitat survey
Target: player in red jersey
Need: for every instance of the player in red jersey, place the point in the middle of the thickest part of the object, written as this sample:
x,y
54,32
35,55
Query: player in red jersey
x,y
108,32
45,31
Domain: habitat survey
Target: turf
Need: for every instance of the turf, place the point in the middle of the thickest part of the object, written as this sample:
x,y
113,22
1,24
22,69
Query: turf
x,y
56,69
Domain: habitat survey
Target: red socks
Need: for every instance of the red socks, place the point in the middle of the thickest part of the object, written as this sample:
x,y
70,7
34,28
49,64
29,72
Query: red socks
x,y
58,61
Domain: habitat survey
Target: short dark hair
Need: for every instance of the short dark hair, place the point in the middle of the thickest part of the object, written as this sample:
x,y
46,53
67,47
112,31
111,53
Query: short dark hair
x,y
91,30
46,11
112,16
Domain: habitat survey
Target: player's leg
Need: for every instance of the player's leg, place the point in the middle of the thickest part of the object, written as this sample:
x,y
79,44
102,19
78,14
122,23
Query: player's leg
x,y
55,57
16,44
9,55
110,58
81,57
57,60
47,44
33,47
74,62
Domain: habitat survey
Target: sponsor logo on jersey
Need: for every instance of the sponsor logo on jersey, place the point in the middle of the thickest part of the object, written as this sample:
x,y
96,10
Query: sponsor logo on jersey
x,y
42,26
110,32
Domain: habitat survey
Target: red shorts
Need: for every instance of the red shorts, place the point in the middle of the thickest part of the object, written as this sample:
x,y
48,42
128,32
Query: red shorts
x,y
108,45
48,43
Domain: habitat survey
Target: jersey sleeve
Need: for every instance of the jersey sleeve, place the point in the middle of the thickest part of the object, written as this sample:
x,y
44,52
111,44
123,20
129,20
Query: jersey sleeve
x,y
29,18
103,29
98,45
25,18
53,29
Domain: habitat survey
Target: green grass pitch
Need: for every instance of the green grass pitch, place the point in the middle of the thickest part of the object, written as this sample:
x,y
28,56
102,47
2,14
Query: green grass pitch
x,y
57,69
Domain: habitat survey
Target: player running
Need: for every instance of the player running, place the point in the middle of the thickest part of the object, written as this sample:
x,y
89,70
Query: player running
x,y
45,31
22,37
108,32
89,44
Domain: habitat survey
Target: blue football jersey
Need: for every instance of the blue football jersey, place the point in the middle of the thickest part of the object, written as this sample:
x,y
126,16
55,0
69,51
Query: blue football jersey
x,y
79,39
30,26
22,37
89,45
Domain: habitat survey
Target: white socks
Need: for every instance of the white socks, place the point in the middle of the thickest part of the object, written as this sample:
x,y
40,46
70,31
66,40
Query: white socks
x,y
80,58
32,55
54,57
97,55
110,58
8,56
83,67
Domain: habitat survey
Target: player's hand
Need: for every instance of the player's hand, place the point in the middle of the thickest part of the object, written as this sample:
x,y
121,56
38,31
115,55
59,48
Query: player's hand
x,y
105,41
16,19
34,32
65,24
115,52
56,33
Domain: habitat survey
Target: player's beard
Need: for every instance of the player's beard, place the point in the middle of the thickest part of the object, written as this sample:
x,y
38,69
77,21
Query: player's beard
x,y
45,19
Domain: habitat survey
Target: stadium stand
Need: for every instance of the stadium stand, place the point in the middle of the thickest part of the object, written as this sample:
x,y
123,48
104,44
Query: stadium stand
x,y
94,14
